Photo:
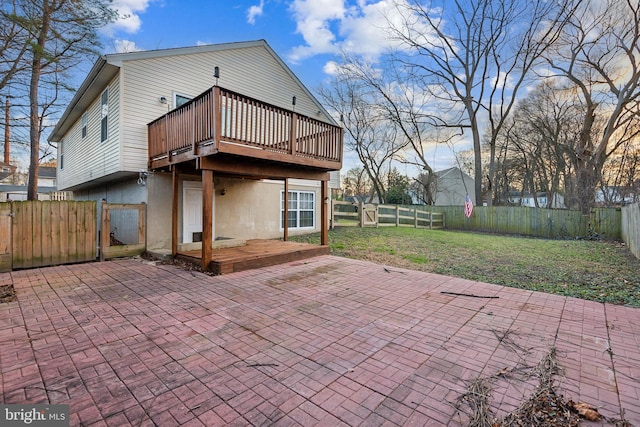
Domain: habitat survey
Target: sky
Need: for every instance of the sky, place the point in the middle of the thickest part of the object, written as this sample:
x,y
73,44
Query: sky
x,y
309,35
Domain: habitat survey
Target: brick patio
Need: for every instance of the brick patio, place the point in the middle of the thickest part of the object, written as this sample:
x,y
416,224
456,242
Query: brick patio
x,y
327,341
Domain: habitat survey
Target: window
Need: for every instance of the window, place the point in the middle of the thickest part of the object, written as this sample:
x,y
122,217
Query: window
x,y
301,209
84,125
61,155
104,115
181,100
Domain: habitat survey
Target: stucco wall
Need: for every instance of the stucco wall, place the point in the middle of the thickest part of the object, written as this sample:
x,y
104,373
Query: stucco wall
x,y
159,211
251,209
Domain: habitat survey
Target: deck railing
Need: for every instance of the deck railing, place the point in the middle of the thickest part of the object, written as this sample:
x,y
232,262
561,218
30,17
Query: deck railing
x,y
222,116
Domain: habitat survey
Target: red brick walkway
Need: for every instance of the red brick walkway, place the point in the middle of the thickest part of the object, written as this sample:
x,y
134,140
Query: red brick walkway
x,y
328,342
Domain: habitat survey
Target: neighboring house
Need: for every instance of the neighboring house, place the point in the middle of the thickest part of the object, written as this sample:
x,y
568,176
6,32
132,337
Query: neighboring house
x,y
46,186
452,186
527,199
6,170
616,196
205,134
448,188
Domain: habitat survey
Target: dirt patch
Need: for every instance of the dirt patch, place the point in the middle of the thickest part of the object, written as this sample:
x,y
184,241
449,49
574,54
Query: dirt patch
x,y
7,294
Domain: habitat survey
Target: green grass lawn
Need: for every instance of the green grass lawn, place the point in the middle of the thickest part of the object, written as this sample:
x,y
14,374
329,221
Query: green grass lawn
x,y
595,270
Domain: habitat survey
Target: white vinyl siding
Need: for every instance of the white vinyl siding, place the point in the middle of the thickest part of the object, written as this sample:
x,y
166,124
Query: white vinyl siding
x,y
301,209
135,94
89,158
251,71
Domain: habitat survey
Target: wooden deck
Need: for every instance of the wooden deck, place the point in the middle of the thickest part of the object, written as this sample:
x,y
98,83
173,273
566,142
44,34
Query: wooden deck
x,y
256,254
220,121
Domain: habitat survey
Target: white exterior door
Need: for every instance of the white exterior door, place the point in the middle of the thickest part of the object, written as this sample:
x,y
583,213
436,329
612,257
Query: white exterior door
x,y
192,210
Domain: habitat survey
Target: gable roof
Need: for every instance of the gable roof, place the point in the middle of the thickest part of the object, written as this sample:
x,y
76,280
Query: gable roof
x,y
456,170
108,66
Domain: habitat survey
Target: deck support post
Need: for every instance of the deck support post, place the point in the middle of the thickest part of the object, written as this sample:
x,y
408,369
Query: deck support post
x,y
174,210
286,210
324,217
207,217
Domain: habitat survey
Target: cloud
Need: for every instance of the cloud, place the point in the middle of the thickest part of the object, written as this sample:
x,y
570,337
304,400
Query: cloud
x,y
125,46
361,28
255,11
331,68
503,81
367,32
313,21
128,16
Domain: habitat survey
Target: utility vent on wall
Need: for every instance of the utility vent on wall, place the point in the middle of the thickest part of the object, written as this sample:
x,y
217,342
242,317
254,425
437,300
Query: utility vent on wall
x,y
197,237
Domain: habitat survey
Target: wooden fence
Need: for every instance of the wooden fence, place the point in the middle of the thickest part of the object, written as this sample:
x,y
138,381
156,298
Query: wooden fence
x,y
631,228
42,233
538,222
370,215
123,231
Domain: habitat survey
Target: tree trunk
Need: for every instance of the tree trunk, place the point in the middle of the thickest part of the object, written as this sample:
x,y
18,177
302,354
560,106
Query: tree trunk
x,y
586,180
34,106
477,153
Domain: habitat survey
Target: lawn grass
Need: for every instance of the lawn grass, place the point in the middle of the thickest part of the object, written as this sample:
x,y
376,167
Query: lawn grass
x,y
601,271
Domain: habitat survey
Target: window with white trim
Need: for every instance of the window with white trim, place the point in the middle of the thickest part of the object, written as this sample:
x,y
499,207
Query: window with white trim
x,y
180,100
301,209
104,115
84,125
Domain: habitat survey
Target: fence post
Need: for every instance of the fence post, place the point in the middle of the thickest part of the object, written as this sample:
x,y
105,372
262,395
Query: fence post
x,y
415,217
361,211
333,216
397,215
430,219
105,229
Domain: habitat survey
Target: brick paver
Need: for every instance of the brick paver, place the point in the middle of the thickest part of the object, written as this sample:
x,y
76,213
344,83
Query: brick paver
x,y
328,342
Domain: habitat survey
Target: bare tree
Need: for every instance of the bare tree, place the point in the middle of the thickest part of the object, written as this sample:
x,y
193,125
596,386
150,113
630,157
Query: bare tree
x,y
369,134
620,181
407,109
357,183
537,145
474,57
57,35
599,54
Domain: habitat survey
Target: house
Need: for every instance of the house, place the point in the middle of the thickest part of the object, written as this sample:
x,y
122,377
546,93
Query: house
x,y
6,170
616,195
16,192
220,141
449,188
518,198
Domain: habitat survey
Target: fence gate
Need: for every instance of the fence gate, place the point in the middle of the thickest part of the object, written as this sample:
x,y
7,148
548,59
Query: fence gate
x,y
44,233
369,215
123,231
